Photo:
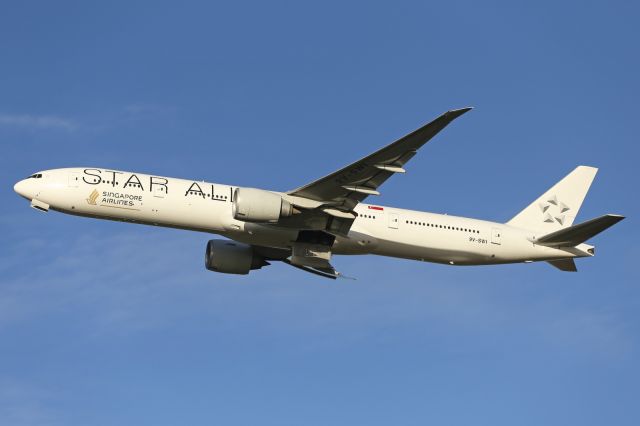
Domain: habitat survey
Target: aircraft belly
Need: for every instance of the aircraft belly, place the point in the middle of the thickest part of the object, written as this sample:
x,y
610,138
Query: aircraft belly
x,y
457,249
429,254
263,235
358,242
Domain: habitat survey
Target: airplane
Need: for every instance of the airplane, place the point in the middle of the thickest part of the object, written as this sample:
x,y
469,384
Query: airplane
x,y
304,227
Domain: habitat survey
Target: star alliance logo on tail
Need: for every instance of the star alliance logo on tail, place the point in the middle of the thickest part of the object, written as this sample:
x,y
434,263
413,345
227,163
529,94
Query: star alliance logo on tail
x,y
92,197
559,208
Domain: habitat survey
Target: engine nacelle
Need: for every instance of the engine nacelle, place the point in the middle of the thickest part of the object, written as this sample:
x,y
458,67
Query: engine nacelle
x,y
257,205
231,257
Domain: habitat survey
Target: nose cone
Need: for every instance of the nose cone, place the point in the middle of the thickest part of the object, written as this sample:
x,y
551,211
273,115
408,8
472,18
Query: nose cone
x,y
23,189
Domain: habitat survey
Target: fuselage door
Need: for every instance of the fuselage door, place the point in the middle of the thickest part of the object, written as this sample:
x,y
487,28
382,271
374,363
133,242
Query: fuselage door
x,y
495,236
393,220
74,179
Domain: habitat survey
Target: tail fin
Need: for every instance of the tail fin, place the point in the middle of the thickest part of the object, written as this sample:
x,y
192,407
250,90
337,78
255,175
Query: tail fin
x,y
557,208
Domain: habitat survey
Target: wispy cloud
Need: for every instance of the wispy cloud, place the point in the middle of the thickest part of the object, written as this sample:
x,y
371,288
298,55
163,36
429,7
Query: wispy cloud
x,y
147,109
126,115
35,122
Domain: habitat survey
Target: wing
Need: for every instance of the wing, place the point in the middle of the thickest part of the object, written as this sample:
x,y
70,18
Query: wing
x,y
352,184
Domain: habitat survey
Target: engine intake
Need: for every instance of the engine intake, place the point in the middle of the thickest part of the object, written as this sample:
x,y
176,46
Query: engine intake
x,y
257,205
230,257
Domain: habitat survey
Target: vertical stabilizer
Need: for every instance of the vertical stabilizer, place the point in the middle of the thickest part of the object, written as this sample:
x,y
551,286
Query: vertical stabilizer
x,y
558,207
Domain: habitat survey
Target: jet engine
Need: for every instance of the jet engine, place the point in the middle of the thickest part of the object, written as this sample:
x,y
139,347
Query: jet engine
x,y
257,205
230,257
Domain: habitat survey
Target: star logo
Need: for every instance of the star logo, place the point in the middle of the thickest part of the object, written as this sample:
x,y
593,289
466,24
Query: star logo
x,y
553,210
92,198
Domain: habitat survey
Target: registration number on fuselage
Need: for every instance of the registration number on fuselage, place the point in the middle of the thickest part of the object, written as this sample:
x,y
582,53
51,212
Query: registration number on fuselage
x,y
478,240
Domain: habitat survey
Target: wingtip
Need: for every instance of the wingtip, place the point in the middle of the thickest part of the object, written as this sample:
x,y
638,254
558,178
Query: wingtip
x,y
455,113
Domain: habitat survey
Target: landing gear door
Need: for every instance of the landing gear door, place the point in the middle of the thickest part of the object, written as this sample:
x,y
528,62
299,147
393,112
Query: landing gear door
x,y
74,179
495,236
393,220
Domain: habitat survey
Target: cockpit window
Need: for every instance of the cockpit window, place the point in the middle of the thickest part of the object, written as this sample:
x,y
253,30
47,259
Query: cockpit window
x,y
36,176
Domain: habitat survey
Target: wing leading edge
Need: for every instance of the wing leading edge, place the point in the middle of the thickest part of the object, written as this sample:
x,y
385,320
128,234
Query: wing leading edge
x,y
346,187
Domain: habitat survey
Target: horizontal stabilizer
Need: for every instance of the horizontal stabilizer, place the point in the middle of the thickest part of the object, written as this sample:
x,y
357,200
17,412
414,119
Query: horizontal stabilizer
x,y
567,265
578,234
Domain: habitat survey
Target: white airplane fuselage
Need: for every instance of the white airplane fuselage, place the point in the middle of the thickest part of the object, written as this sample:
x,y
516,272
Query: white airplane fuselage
x,y
207,207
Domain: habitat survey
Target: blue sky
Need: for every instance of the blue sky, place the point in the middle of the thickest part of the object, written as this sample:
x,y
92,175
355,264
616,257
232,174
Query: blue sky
x,y
114,324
